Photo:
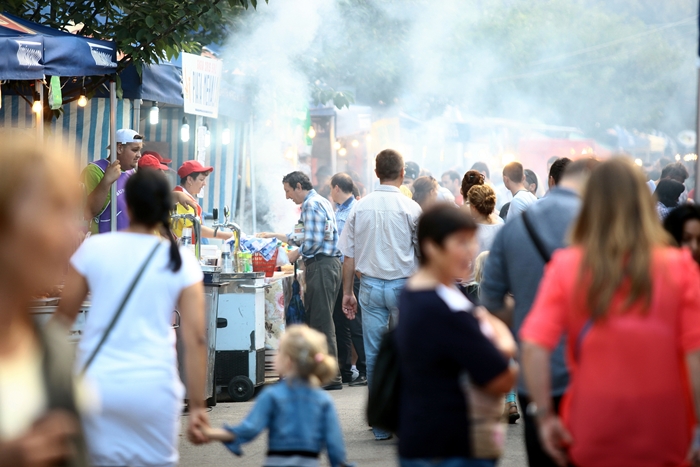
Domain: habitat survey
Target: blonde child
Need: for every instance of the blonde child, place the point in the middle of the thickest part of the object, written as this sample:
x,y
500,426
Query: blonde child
x,y
300,417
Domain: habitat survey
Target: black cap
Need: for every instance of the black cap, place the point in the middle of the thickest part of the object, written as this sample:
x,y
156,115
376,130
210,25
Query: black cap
x,y
412,170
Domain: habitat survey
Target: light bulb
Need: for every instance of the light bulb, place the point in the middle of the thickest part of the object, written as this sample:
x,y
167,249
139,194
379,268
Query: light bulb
x,y
355,143
36,106
336,145
185,132
226,137
638,162
342,152
153,117
312,133
82,100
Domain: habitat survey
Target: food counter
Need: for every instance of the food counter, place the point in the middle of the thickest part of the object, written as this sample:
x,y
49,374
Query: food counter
x,y
277,298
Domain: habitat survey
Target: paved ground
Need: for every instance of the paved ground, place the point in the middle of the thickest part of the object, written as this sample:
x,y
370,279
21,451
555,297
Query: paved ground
x,y
360,444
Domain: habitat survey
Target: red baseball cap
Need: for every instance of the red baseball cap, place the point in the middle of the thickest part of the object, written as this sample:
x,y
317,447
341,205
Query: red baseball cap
x,y
150,161
160,158
191,167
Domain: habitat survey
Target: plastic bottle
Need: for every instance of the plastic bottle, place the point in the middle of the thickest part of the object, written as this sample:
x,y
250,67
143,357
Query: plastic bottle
x,y
226,259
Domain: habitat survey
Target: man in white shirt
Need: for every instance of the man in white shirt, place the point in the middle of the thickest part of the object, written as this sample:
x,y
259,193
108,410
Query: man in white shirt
x,y
514,180
379,241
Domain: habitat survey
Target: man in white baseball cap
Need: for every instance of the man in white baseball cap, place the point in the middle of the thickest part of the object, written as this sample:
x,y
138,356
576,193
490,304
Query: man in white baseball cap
x,y
99,176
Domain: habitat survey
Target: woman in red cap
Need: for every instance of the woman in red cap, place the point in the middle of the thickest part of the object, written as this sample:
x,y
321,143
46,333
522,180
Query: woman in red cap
x,y
193,177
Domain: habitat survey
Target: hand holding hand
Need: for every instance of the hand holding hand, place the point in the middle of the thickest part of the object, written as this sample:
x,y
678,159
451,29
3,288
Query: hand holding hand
x,y
198,424
219,434
113,172
350,306
555,439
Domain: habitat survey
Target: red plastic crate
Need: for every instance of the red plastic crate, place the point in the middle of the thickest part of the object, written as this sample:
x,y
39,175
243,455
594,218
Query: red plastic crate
x,y
261,265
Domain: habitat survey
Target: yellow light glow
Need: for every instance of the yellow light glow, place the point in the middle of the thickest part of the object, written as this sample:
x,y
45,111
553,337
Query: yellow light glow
x,y
337,145
678,157
36,107
82,101
507,158
690,157
355,143
312,133
638,162
342,152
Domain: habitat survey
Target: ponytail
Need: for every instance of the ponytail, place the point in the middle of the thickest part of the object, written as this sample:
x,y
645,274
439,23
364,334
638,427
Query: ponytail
x,y
308,350
325,370
175,259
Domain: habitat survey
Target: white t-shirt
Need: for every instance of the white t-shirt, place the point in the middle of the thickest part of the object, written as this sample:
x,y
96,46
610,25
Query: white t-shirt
x,y
135,372
486,234
520,202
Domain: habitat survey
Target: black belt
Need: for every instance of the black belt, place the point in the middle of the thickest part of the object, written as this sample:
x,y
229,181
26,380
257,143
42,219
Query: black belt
x,y
318,257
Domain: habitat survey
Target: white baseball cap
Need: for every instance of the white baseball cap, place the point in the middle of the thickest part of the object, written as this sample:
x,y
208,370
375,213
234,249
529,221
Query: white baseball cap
x,y
126,135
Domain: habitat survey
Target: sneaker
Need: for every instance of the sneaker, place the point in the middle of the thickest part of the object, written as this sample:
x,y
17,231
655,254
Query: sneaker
x,y
511,413
333,386
381,435
355,372
359,381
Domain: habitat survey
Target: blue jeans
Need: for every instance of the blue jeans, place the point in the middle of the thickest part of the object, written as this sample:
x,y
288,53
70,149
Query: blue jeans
x,y
448,462
379,301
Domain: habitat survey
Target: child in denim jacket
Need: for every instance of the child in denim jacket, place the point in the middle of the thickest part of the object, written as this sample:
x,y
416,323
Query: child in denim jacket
x,y
300,416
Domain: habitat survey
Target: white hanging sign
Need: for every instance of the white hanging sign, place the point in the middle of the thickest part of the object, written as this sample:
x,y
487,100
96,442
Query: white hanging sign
x,y
201,80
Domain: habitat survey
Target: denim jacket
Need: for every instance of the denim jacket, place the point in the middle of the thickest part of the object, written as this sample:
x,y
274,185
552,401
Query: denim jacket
x,y
299,417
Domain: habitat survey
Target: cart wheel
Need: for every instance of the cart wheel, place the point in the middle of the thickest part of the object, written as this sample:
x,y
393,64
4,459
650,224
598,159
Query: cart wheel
x,y
241,389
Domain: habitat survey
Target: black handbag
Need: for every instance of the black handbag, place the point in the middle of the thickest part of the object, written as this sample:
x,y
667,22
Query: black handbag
x,y
296,313
383,403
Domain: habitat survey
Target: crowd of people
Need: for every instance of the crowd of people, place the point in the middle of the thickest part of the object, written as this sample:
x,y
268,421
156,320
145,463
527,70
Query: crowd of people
x,y
593,290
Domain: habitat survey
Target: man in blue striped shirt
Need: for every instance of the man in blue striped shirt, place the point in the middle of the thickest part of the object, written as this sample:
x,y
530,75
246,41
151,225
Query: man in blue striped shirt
x,y
348,332
316,235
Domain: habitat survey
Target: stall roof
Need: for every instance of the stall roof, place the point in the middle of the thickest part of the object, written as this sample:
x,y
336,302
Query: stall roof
x,y
62,53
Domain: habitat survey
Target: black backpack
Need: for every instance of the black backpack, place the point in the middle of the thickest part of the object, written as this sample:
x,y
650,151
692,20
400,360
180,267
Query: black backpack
x,y
383,403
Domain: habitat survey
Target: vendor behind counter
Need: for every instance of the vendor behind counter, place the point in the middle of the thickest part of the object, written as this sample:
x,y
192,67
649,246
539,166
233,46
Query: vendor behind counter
x,y
193,178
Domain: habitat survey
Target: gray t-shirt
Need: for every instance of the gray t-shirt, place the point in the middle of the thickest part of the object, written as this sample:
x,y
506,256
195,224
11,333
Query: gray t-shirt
x,y
520,202
486,233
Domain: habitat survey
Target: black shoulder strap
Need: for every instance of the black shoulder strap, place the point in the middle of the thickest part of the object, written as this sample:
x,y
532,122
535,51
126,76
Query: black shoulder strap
x,y
120,309
536,239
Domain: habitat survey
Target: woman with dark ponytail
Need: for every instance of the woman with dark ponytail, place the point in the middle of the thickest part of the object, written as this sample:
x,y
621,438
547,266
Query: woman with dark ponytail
x,y
138,358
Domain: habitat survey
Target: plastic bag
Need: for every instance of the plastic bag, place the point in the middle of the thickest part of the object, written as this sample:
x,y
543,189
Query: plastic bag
x,y
282,257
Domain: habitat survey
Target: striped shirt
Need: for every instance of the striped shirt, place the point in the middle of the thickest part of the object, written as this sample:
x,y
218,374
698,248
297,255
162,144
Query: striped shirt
x,y
342,212
316,213
381,234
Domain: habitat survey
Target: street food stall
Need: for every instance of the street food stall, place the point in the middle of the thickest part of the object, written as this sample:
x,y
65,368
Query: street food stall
x,y
244,314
